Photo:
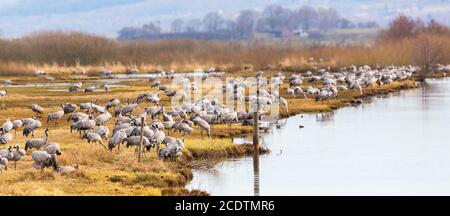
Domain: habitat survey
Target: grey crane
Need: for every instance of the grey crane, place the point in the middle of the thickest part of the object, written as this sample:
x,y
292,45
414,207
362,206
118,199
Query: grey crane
x,y
74,88
17,124
149,133
3,164
74,117
121,126
52,148
158,138
28,121
129,108
97,108
94,138
172,149
90,89
31,124
83,125
55,116
123,119
204,126
183,127
7,153
167,117
3,94
136,141
116,140
154,111
168,139
37,142
157,125
103,131
155,83
5,137
155,97
170,93
18,153
64,169
168,125
69,108
102,118
86,106
112,103
42,159
7,126
37,109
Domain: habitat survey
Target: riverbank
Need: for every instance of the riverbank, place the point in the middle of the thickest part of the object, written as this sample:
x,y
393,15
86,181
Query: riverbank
x,y
299,104
103,173
391,145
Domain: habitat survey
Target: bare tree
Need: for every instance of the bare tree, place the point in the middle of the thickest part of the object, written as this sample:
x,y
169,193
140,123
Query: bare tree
x,y
428,52
307,17
193,25
345,24
231,26
245,22
435,27
152,28
327,18
402,27
177,25
212,21
276,16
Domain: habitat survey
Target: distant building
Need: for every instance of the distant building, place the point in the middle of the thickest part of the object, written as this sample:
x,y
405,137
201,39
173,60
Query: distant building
x,y
301,33
280,33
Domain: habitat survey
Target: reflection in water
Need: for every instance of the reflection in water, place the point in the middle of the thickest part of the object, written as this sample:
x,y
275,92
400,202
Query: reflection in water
x,y
256,174
325,117
395,145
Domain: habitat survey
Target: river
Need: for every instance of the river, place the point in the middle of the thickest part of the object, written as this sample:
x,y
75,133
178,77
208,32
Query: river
x,y
397,144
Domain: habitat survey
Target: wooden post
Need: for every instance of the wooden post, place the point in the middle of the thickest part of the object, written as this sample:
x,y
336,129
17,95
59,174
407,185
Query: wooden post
x,y
142,138
256,121
255,175
256,144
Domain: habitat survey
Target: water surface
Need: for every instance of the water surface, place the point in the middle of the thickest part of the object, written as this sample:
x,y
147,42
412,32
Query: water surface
x,y
393,145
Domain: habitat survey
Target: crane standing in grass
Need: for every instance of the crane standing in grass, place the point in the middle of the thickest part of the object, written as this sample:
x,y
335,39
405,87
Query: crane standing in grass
x,y
18,153
37,109
55,116
38,142
3,94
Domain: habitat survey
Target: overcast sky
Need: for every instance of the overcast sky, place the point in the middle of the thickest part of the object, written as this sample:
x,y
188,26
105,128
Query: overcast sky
x,y
106,17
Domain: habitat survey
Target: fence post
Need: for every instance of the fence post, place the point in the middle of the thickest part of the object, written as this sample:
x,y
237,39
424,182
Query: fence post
x,y
256,121
142,138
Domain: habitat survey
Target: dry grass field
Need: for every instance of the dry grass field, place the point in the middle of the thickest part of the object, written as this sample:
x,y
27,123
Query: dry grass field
x,y
111,173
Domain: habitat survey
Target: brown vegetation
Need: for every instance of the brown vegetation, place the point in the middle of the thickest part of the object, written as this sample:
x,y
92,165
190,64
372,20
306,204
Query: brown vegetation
x,y
402,43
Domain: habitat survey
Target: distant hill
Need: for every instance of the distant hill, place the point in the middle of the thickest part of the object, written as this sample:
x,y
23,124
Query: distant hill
x,y
107,17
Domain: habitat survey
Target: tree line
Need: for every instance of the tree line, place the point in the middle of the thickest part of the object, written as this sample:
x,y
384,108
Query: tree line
x,y
406,40
245,24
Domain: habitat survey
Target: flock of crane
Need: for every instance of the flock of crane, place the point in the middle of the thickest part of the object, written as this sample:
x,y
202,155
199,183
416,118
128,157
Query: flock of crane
x,y
151,128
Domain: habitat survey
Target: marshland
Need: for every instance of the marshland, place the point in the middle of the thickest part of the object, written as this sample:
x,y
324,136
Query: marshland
x,y
65,89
